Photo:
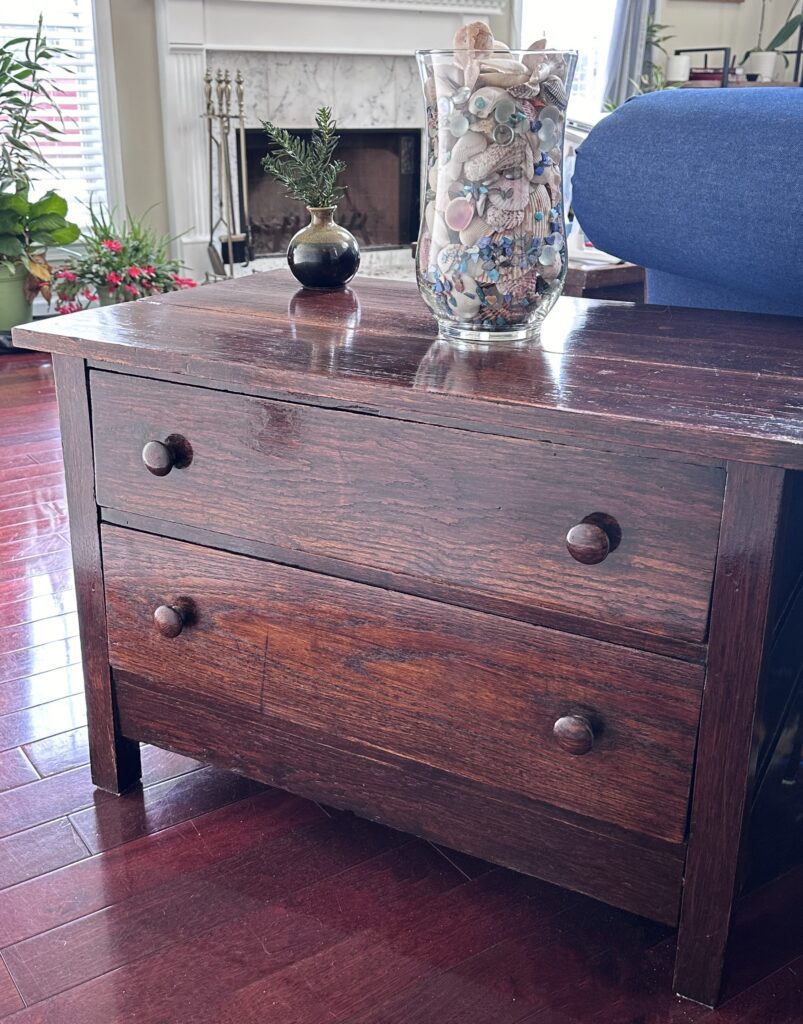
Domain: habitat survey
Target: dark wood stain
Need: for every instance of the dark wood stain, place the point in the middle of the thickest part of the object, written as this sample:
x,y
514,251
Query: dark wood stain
x,y
398,674
357,559
494,512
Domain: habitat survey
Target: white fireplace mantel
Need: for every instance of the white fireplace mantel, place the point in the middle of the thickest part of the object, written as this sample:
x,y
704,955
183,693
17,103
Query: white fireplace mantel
x,y
296,55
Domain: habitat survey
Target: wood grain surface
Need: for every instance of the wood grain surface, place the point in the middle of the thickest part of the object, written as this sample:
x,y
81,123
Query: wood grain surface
x,y
728,385
486,514
469,694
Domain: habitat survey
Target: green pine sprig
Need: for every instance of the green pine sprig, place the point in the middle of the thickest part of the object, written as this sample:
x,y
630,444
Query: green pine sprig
x,y
306,167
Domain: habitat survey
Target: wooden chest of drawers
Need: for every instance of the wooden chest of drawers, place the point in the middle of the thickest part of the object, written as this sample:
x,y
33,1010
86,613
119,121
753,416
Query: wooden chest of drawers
x,y
543,605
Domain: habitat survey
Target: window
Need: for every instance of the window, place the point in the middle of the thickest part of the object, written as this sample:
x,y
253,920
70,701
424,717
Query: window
x,y
583,25
78,155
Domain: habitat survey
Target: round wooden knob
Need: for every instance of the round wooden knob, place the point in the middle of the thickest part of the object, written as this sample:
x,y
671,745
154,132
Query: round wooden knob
x,y
158,457
592,540
574,734
168,620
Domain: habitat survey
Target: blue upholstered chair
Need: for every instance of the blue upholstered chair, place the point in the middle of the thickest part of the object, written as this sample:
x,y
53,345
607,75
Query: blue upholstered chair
x,y
704,188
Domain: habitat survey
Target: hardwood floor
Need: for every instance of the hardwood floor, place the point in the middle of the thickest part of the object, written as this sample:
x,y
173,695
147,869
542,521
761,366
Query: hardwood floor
x,y
205,898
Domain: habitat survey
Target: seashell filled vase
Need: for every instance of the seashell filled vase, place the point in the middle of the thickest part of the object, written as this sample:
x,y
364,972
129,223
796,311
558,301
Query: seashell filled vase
x,y
491,258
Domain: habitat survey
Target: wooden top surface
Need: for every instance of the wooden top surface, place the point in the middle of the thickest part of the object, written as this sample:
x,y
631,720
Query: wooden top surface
x,y
724,385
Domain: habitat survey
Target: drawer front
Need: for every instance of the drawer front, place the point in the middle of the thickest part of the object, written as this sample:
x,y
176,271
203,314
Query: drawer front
x,y
467,693
488,515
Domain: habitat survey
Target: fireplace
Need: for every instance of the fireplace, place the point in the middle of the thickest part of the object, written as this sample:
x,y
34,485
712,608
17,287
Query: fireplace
x,y
381,203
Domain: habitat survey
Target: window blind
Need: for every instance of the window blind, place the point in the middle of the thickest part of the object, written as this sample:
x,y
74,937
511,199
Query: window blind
x,y
77,155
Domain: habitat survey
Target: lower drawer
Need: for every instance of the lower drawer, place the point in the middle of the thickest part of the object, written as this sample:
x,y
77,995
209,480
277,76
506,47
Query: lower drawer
x,y
409,681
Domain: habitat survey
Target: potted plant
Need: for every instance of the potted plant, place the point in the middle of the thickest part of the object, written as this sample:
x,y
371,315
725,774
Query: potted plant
x,y
27,226
323,254
764,58
118,263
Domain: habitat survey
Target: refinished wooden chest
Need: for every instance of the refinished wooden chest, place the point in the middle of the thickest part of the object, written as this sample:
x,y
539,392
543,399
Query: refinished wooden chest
x,y
542,604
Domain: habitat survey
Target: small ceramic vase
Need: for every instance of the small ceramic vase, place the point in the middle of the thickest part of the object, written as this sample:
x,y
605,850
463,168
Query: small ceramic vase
x,y
323,254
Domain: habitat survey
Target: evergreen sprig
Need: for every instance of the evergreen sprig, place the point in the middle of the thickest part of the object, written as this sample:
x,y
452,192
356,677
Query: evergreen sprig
x,y
306,167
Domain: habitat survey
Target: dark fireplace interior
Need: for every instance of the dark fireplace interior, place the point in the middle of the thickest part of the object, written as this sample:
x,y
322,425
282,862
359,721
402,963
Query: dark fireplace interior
x,y
380,206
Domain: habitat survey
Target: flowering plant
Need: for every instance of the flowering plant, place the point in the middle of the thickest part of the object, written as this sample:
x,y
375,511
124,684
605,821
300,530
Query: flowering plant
x,y
120,263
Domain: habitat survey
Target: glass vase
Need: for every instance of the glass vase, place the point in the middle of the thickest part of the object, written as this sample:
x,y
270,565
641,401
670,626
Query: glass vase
x,y
491,257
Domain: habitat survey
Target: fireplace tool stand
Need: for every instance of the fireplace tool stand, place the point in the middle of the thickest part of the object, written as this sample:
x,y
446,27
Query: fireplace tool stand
x,y
231,226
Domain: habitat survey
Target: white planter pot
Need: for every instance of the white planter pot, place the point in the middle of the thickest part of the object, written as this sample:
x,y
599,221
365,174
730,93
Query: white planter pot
x,y
763,64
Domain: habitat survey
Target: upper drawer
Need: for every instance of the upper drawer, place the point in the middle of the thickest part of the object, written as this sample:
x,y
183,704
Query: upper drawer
x,y
474,695
484,513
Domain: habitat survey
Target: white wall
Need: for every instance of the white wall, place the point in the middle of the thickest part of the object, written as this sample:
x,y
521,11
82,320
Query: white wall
x,y
712,23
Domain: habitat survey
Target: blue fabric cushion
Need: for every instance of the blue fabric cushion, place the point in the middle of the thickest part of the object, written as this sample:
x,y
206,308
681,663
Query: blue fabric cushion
x,y
705,188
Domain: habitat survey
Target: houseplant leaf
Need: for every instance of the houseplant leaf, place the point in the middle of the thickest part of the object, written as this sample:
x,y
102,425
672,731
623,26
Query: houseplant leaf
x,y
50,203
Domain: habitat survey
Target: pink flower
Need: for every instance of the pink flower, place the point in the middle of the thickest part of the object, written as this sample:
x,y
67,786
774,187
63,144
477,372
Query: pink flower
x,y
112,245
131,289
183,282
134,272
67,275
113,278
89,295
150,270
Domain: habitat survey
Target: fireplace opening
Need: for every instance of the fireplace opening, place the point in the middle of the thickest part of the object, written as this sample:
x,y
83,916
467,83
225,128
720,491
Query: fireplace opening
x,y
381,203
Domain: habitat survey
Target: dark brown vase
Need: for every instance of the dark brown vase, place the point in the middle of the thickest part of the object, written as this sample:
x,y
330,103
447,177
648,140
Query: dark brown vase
x,y
323,254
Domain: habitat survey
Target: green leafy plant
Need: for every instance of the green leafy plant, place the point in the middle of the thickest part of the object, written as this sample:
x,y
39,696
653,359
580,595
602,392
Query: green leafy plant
x,y
119,263
27,229
29,113
29,118
306,167
790,26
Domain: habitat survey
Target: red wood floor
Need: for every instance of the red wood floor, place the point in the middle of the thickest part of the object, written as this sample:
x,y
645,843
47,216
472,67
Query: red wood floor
x,y
206,898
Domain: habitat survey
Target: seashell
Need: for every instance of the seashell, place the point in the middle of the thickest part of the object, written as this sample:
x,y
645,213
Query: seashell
x,y
459,213
484,100
540,200
479,167
535,144
464,301
474,36
554,91
449,258
511,195
540,205
538,64
483,125
528,91
504,220
476,230
468,145
556,154
429,215
539,44
524,286
504,64
502,79
430,92
529,109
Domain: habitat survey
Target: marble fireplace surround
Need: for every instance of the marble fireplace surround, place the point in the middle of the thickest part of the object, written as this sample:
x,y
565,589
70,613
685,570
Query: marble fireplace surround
x,y
354,55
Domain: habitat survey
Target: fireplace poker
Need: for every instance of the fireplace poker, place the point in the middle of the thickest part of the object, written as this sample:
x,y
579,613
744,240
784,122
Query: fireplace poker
x,y
246,225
